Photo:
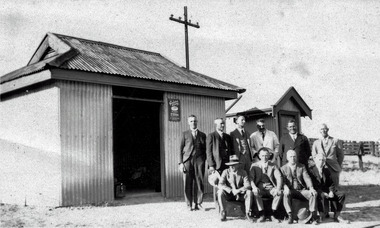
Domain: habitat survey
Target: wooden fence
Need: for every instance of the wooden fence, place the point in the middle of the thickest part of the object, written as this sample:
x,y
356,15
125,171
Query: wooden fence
x,y
352,147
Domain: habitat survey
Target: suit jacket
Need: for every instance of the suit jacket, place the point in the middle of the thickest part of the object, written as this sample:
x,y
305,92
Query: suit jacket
x,y
334,154
227,180
237,139
270,141
273,172
302,176
190,146
301,146
214,153
322,183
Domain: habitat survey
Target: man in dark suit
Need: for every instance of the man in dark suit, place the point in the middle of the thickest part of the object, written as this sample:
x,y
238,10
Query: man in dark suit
x,y
192,159
266,181
234,186
241,145
297,184
218,148
324,185
294,141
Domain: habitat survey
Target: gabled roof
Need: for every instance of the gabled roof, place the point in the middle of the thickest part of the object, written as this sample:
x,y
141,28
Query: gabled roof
x,y
71,53
273,109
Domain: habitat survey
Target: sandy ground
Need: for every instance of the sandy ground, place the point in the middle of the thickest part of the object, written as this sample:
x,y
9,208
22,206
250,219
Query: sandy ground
x,y
362,208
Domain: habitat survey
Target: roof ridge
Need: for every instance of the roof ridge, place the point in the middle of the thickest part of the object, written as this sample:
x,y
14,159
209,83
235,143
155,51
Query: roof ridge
x,y
107,44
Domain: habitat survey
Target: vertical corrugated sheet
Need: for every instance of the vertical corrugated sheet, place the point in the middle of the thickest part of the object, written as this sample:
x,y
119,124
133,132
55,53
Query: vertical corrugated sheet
x,y
86,135
206,109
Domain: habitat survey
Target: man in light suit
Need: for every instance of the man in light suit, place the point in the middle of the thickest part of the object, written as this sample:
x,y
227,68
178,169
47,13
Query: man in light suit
x,y
218,147
332,149
241,144
298,184
234,186
297,142
265,138
266,182
192,159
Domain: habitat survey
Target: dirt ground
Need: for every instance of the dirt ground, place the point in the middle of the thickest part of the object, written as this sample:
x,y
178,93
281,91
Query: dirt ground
x,y
362,208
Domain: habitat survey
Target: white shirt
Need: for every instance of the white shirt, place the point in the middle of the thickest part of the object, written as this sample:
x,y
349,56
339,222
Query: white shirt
x,y
194,132
293,136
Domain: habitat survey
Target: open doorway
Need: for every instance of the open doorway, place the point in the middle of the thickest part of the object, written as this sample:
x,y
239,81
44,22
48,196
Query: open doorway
x,y
136,136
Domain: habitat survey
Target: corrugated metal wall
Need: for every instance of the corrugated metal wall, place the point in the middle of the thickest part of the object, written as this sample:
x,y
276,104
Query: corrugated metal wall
x,y
86,136
206,109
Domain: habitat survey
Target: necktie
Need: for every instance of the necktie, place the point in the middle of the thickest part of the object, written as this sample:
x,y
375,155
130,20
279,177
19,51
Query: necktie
x,y
295,181
242,133
265,169
194,133
263,133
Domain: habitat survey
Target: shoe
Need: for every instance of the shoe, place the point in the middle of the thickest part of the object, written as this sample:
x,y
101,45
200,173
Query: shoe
x,y
327,215
290,219
189,208
341,220
315,222
199,207
274,219
261,219
223,216
249,218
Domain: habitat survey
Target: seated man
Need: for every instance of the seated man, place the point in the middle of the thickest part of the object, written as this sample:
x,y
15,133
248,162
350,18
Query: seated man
x,y
297,184
266,182
325,187
234,185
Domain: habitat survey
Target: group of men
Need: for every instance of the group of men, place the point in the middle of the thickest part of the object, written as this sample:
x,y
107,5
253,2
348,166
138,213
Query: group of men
x,y
258,165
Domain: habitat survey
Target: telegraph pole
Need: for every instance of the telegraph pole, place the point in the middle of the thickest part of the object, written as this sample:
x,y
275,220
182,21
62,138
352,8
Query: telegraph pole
x,y
186,23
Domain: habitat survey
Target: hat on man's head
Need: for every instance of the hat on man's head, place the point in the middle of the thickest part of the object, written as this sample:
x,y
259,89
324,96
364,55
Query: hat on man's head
x,y
213,178
304,215
233,160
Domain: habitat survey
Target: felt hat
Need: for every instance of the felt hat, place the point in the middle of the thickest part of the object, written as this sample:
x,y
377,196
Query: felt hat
x,y
233,160
304,215
213,178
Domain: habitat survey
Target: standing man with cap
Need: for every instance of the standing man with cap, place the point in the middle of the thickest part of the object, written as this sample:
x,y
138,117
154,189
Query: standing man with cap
x,y
296,142
218,147
192,159
234,186
265,138
332,149
266,182
297,184
241,145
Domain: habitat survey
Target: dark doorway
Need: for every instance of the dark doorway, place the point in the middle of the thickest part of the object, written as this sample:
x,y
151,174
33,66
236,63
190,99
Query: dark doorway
x,y
136,133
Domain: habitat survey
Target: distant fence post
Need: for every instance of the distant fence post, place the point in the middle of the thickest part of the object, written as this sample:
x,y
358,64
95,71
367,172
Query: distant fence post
x,y
377,149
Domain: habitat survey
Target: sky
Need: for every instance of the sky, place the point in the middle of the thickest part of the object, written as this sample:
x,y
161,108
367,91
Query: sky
x,y
328,50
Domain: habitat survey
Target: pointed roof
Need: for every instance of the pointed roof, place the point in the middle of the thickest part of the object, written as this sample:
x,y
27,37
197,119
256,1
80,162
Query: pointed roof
x,y
274,108
71,53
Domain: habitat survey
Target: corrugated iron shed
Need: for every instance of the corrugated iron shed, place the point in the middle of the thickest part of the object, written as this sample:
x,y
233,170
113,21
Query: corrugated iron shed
x,y
71,53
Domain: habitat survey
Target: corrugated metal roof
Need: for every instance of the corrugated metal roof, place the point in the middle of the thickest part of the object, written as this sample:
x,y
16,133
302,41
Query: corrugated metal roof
x,y
99,57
